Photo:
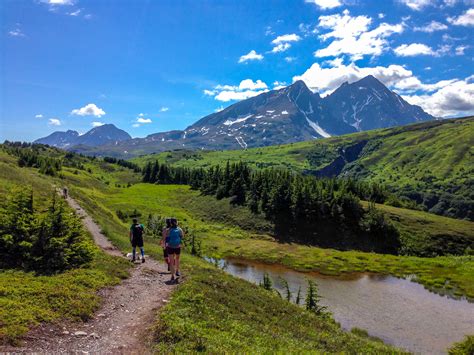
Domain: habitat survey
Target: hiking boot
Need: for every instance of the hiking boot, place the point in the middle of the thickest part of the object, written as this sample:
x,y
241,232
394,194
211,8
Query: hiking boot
x,y
172,278
133,260
143,260
168,267
178,274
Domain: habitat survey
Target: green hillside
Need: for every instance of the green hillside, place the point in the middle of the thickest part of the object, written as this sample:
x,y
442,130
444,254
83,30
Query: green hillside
x,y
248,317
431,163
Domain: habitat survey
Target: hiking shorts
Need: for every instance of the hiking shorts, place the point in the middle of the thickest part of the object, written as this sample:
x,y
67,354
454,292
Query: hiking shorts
x,y
165,252
137,242
171,250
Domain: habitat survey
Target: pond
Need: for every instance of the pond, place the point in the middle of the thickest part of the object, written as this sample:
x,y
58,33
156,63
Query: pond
x,y
398,311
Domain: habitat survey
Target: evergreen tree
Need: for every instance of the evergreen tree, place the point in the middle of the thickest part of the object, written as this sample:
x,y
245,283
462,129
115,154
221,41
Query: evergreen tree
x,y
313,298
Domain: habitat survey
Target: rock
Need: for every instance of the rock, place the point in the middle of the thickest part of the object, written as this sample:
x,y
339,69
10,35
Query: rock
x,y
101,315
95,335
122,305
80,333
65,332
165,301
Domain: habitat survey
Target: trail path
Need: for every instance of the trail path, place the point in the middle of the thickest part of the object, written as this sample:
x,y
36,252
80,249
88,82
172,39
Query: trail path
x,y
121,325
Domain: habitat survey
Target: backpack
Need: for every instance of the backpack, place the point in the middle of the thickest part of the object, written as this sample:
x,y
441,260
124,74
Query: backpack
x,y
174,237
137,231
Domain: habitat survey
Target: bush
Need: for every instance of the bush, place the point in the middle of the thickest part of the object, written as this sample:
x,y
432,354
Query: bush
x,y
465,347
46,243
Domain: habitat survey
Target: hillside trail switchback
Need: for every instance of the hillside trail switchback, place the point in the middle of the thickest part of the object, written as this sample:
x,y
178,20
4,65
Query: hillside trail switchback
x,y
121,325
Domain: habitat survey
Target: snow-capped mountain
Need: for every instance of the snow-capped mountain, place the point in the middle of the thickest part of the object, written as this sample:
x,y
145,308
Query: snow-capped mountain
x,y
287,115
97,136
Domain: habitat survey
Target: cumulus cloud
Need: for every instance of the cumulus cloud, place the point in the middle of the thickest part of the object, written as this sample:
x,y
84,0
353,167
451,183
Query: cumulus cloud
x,y
283,43
286,38
326,80
466,19
252,55
97,124
164,109
352,36
325,4
143,120
290,59
135,125
433,26
414,49
454,99
219,109
277,85
281,47
88,110
246,89
39,115
416,5
54,122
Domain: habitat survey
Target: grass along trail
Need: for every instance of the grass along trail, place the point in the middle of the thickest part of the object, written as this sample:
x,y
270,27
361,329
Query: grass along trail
x,y
121,324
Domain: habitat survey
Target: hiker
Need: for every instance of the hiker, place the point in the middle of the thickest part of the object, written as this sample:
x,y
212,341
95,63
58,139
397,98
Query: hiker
x,y
173,247
65,192
136,238
164,241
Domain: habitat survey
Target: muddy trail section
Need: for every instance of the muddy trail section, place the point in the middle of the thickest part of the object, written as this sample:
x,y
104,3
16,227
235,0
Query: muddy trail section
x,y
122,323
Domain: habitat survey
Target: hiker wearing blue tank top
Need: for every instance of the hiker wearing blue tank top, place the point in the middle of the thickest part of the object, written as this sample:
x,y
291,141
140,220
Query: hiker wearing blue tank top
x,y
173,247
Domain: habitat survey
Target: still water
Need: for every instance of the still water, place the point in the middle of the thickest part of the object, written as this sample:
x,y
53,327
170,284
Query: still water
x,y
398,311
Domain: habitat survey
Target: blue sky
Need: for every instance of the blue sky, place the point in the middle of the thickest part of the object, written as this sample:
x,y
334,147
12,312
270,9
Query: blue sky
x,y
150,66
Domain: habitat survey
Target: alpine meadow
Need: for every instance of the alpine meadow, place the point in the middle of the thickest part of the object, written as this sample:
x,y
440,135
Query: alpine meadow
x,y
237,177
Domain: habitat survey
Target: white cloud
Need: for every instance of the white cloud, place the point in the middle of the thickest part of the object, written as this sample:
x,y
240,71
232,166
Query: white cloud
x,y
252,55
352,36
432,27
89,110
281,47
75,13
290,59
246,89
54,122
143,120
466,19
283,43
135,125
58,2
455,99
164,109
325,4
277,85
381,15
286,38
326,80
460,49
39,115
249,84
417,5
414,49
16,32
219,109
97,124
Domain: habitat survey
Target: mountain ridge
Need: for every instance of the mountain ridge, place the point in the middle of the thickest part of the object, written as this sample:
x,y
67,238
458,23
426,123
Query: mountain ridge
x,y
286,115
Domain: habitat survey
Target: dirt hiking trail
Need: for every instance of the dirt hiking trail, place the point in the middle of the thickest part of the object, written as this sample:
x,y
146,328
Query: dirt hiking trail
x,y
121,325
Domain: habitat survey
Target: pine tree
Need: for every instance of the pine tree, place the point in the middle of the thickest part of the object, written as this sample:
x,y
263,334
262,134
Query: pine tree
x,y
313,298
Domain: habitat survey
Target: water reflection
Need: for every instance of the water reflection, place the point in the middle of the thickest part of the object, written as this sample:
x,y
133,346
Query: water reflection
x,y
398,311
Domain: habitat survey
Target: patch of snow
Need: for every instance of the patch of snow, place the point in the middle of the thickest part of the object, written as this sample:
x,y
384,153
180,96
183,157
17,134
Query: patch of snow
x,y
318,128
163,139
270,111
259,116
230,123
184,136
310,109
284,112
241,141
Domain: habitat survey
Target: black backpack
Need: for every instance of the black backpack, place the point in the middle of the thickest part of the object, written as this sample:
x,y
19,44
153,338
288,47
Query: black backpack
x,y
137,231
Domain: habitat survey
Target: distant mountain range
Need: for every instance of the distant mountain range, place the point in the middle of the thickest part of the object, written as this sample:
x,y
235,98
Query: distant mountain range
x,y
287,115
97,136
